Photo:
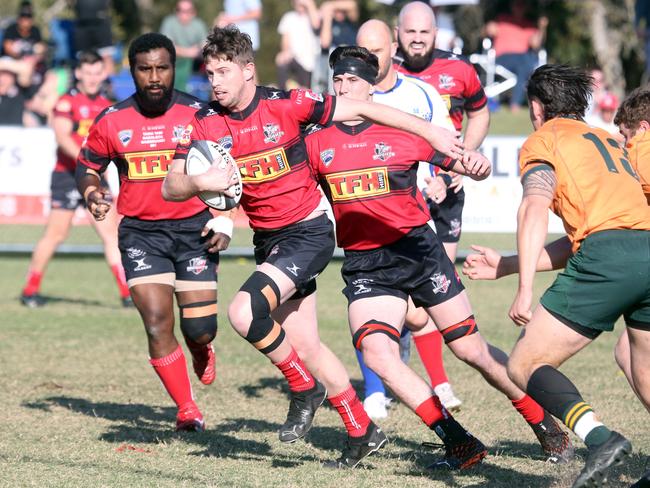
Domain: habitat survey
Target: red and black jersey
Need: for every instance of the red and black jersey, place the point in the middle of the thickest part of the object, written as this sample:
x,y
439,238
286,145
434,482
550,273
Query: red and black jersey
x,y
142,148
265,140
454,77
81,110
368,173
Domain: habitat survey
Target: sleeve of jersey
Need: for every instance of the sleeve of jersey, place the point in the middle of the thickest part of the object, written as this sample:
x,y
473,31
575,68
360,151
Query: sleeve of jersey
x,y
312,108
536,151
475,98
425,152
63,108
194,131
96,151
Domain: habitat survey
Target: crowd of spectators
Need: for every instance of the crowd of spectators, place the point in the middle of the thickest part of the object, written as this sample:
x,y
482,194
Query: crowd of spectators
x,y
308,31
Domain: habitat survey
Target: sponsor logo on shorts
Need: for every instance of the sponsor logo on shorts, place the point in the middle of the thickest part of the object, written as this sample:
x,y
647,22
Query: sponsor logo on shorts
x,y
440,283
73,197
263,166
350,185
148,165
327,156
275,250
293,269
361,286
382,152
198,265
140,265
272,133
125,136
455,227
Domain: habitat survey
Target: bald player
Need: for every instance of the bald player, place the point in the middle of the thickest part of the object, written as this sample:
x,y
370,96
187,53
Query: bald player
x,y
420,99
456,80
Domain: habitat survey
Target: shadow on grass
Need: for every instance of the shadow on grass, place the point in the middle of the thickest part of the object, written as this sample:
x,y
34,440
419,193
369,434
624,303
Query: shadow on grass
x,y
51,300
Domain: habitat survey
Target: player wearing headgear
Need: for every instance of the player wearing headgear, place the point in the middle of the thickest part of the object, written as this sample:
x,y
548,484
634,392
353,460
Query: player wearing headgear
x,y
418,98
73,114
368,173
275,309
166,249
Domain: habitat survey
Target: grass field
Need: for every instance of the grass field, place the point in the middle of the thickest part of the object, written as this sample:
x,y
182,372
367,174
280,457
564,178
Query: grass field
x,y
84,408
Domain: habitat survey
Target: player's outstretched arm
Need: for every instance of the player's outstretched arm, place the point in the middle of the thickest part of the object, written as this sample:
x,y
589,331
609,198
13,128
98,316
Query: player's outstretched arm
x,y
486,263
441,139
178,186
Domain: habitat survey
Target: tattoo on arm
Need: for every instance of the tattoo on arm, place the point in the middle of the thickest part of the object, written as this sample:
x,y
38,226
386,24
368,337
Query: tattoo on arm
x,y
540,181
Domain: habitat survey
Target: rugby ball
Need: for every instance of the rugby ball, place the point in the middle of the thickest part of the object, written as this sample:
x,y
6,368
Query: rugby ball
x,y
200,157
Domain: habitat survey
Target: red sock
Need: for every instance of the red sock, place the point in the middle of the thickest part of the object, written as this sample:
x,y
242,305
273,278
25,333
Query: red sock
x,y
432,411
120,277
430,350
172,371
33,282
350,408
296,373
529,409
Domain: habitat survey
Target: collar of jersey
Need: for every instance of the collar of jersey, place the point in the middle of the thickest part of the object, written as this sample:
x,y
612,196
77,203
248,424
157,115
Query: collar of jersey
x,y
353,129
242,114
394,87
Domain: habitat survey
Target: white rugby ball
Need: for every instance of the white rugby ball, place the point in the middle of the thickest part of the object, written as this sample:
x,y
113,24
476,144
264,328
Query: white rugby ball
x,y
200,157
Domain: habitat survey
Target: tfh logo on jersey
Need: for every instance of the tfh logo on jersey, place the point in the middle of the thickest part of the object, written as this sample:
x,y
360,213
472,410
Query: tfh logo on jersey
x,y
125,136
263,166
382,152
440,283
197,265
272,133
327,156
148,165
446,81
364,183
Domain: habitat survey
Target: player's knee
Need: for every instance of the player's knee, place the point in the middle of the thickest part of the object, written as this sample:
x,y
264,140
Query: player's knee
x,y
239,313
416,318
519,371
377,354
199,321
158,324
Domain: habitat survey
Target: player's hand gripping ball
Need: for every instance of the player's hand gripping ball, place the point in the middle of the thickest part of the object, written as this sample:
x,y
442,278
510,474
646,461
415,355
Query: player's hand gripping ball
x,y
201,156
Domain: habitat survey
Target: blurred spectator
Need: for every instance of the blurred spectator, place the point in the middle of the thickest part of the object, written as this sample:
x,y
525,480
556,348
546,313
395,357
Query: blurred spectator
x,y
92,30
299,44
23,49
245,14
603,117
12,100
600,90
446,37
642,24
188,33
516,42
338,27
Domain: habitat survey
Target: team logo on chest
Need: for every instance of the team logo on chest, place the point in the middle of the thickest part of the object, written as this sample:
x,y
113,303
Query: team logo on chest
x,y
125,136
225,142
177,132
272,133
382,152
445,81
327,156
84,111
358,184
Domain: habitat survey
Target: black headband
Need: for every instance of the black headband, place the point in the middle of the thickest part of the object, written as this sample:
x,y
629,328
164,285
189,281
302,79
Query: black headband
x,y
356,67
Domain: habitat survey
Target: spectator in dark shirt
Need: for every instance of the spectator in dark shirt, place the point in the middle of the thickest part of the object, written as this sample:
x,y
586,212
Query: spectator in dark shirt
x,y
12,100
93,30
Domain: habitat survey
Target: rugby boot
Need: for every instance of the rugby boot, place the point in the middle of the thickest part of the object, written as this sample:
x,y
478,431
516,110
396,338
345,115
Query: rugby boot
x,y
189,418
610,453
302,409
554,441
205,367
644,482
358,448
32,301
461,455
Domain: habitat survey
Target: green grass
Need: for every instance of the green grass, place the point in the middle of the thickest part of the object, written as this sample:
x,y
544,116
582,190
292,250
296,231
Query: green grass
x,y
82,407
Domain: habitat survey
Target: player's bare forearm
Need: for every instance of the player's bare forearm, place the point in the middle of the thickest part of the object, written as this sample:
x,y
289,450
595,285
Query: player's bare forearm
x,y
532,226
478,123
441,139
178,187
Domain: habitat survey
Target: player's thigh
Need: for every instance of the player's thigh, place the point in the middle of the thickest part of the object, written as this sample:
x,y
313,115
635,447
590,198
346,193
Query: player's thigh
x,y
58,224
194,266
155,303
298,318
546,340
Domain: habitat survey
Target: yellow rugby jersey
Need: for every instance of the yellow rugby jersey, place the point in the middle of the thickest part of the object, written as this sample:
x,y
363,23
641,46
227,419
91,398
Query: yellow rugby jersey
x,y
638,149
597,187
